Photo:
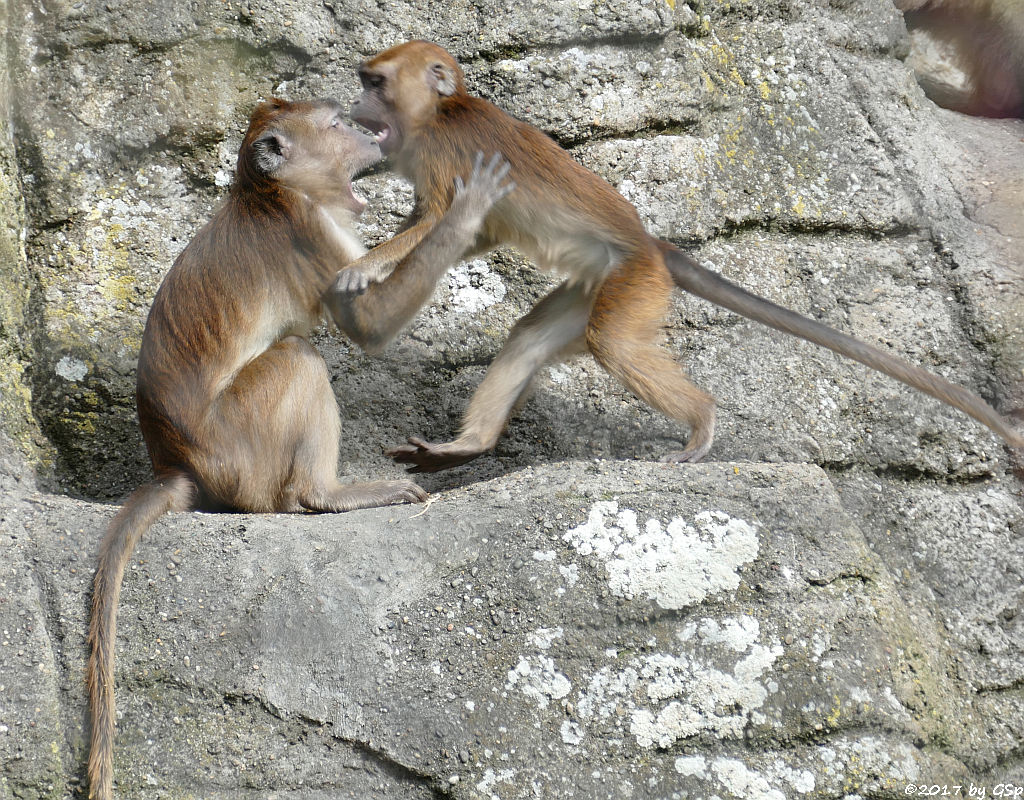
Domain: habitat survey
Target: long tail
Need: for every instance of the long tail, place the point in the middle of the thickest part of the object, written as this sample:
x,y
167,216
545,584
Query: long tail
x,y
698,280
172,492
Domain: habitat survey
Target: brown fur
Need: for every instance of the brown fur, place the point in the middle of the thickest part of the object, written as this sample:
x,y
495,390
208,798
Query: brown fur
x,y
235,406
987,41
568,219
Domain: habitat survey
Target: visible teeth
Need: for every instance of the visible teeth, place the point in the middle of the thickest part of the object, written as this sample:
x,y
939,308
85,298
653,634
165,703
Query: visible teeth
x,y
380,137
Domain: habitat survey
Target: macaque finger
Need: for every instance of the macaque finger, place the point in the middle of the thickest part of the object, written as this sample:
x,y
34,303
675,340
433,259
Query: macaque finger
x,y
351,282
408,492
503,170
414,494
477,163
404,452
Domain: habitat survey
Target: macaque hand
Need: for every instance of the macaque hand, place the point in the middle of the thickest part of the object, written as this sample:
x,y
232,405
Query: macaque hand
x,y
350,281
486,186
426,457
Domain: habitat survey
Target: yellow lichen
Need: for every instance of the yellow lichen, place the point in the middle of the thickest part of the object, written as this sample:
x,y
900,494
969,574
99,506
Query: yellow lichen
x,y
119,289
833,717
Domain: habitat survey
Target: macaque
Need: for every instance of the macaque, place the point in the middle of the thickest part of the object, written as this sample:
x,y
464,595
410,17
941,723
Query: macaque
x,y
566,218
986,40
235,405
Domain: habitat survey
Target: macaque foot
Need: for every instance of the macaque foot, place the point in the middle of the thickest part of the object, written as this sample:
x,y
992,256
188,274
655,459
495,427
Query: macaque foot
x,y
427,457
400,491
680,457
688,455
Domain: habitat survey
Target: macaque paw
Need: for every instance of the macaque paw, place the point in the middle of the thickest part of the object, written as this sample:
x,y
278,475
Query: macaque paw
x,y
487,184
427,457
688,455
403,491
351,281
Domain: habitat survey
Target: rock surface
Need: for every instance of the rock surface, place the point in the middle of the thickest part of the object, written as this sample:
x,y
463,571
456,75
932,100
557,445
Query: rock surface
x,y
830,607
584,629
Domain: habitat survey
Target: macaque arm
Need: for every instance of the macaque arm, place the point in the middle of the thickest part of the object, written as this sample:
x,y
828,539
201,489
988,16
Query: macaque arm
x,y
373,318
381,260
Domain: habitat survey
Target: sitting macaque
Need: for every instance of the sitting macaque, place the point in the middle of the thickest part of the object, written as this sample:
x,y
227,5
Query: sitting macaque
x,y
567,219
235,405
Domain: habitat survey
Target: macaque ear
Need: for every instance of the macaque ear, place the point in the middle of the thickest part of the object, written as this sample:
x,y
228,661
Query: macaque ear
x,y
271,150
442,78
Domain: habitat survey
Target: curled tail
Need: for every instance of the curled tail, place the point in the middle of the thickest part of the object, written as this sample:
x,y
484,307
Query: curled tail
x,y
172,492
698,280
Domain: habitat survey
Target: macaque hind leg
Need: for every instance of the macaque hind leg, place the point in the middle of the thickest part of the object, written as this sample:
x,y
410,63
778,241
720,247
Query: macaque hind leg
x,y
624,334
554,325
294,440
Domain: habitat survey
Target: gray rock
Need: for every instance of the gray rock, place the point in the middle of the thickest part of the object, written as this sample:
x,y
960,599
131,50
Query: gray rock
x,y
589,628
831,607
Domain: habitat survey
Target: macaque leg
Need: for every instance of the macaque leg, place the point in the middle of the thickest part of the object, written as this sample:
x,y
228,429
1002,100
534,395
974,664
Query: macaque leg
x,y
555,325
624,334
274,440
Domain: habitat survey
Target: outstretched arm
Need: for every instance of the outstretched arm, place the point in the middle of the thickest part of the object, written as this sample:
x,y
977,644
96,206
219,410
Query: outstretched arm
x,y
376,265
372,313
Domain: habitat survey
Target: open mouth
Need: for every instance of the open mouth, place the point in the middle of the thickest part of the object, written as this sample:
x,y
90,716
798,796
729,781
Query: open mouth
x,y
358,200
372,167
380,131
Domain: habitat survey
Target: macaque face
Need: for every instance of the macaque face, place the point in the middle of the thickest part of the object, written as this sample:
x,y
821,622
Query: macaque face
x,y
307,147
402,90
375,109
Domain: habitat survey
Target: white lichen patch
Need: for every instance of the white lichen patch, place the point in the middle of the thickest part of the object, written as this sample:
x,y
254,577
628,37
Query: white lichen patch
x,y
741,782
736,779
572,733
71,369
677,565
870,755
692,765
542,638
490,778
666,697
536,677
570,574
559,374
474,287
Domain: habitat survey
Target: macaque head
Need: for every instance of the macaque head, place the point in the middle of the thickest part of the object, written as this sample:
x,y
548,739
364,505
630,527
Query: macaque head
x,y
306,147
402,89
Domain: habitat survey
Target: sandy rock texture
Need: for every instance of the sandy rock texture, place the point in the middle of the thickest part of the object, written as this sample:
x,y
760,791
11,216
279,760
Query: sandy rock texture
x,y
831,606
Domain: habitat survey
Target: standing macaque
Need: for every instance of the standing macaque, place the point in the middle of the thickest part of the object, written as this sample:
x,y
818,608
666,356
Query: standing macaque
x,y
235,405
565,218
986,38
